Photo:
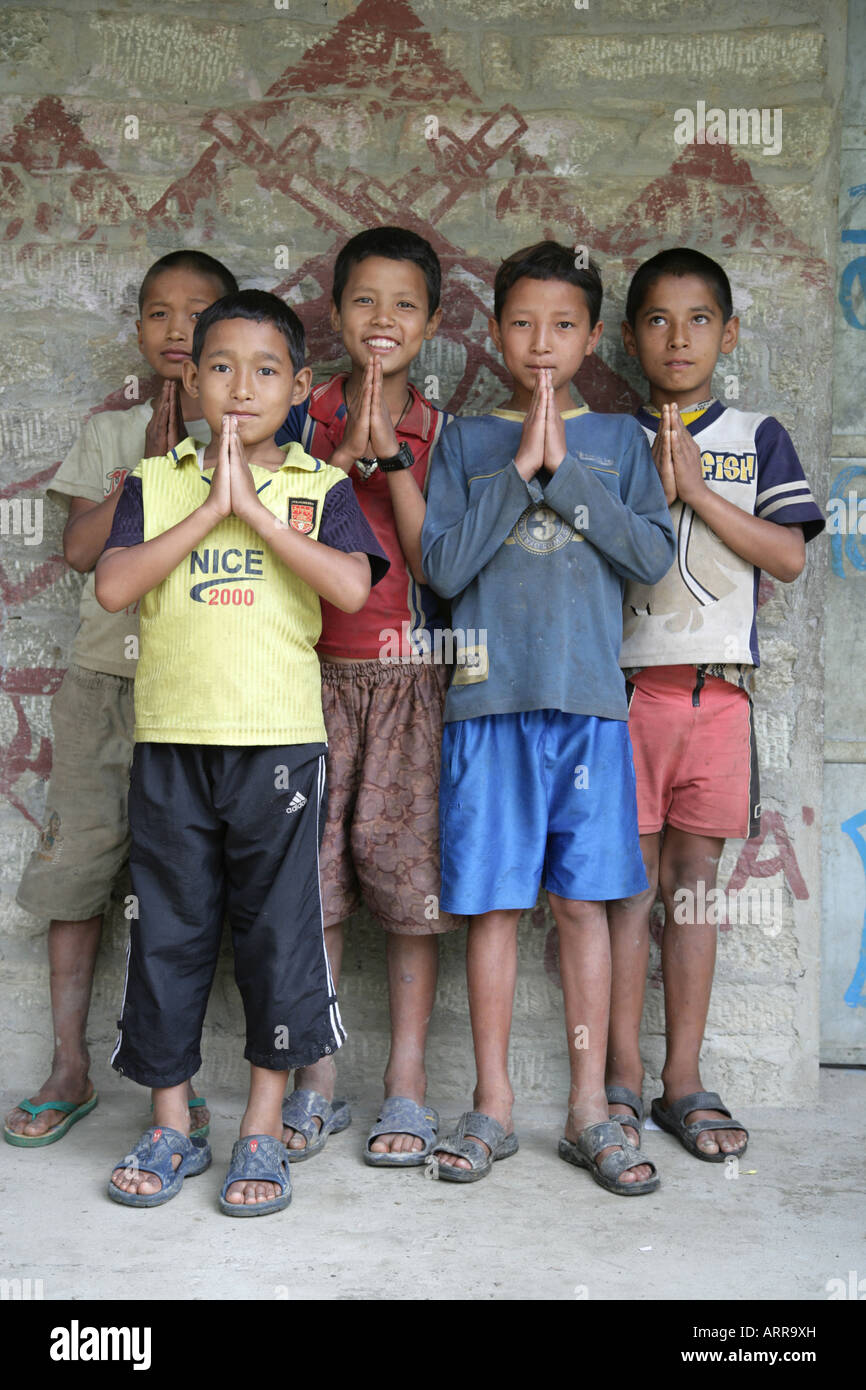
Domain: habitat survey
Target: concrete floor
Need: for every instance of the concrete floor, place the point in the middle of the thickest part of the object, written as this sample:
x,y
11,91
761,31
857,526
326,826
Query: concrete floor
x,y
534,1229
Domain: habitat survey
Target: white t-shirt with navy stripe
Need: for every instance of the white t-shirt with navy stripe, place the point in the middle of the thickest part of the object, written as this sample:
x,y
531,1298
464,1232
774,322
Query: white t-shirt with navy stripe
x,y
703,611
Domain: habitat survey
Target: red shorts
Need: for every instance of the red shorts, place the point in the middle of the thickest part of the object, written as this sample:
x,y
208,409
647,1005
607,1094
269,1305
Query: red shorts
x,y
694,753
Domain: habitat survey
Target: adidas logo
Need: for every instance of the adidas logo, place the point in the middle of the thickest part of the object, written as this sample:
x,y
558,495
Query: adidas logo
x,y
297,801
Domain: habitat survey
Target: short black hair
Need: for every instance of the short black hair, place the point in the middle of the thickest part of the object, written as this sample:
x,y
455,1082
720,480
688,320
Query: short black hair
x,y
679,261
549,260
198,261
259,307
395,244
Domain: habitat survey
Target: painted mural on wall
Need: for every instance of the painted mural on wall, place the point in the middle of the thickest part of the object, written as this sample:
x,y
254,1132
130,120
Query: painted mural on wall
x,y
374,64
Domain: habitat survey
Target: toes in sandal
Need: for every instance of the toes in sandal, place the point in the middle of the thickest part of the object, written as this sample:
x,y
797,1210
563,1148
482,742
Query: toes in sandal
x,y
153,1154
70,1108
299,1110
471,1127
258,1158
674,1121
400,1115
621,1095
606,1171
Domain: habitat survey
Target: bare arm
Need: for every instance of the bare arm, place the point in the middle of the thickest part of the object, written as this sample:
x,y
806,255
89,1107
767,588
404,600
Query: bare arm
x,y
88,524
780,550
341,577
87,528
125,573
369,429
410,509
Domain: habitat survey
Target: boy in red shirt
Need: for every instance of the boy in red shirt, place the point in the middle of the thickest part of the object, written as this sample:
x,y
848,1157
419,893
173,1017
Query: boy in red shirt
x,y
383,683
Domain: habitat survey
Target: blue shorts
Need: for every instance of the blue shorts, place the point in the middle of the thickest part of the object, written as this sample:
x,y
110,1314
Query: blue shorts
x,y
537,797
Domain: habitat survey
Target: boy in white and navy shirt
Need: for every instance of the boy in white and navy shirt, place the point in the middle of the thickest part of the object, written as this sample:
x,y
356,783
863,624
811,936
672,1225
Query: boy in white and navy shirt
x,y
740,503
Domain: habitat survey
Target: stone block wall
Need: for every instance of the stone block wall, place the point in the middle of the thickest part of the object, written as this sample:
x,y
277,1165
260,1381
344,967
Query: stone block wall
x,y
268,133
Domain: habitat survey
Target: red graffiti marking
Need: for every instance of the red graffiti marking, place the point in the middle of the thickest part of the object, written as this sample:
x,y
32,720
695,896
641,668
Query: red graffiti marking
x,y
15,759
785,860
32,680
766,589
381,40
808,815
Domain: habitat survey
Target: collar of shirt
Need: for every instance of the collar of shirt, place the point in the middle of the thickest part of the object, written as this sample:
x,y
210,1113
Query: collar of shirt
x,y
295,457
328,408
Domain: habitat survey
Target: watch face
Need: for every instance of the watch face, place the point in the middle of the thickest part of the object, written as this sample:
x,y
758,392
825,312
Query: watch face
x,y
366,467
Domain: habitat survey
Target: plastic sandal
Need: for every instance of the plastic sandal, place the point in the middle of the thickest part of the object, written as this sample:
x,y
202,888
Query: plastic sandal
x,y
259,1158
298,1111
673,1120
153,1154
621,1095
400,1115
606,1172
70,1108
464,1145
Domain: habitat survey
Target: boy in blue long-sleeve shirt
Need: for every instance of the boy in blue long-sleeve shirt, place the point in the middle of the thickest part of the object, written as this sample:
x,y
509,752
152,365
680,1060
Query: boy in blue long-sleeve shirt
x,y
537,514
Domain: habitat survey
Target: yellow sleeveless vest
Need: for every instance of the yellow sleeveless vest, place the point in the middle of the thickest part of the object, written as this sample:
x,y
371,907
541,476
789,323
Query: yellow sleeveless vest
x,y
227,644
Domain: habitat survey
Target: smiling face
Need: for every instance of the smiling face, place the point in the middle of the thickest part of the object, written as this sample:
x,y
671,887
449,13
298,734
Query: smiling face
x,y
544,323
173,302
245,370
383,313
677,338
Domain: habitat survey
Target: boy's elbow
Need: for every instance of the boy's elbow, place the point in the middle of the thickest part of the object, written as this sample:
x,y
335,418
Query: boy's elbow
x,y
787,573
793,560
74,557
105,595
357,590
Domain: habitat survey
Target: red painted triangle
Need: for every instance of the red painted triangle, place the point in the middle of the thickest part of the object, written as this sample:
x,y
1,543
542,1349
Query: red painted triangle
x,y
381,43
48,138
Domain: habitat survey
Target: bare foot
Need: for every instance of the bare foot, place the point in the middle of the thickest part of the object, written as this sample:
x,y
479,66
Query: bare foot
x,y
250,1192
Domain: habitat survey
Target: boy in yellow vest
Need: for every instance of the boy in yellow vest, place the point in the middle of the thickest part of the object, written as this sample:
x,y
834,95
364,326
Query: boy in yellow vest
x,y
230,548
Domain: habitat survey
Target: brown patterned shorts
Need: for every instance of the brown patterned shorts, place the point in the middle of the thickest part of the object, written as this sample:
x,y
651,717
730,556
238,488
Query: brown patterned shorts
x,y
381,841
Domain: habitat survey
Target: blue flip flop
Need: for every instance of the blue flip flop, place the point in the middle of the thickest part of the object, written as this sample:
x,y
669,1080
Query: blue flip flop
x,y
153,1154
299,1110
258,1158
400,1115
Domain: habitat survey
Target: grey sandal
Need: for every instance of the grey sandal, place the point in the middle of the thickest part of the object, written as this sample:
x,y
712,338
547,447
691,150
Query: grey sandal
x,y
621,1095
606,1172
471,1127
674,1121
400,1115
299,1110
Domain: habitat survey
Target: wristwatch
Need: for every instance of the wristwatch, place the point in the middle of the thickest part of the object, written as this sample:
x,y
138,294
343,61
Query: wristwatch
x,y
366,467
404,458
